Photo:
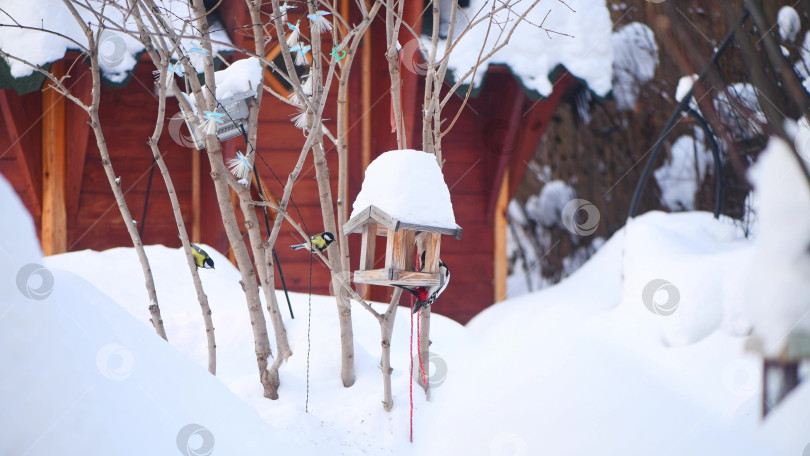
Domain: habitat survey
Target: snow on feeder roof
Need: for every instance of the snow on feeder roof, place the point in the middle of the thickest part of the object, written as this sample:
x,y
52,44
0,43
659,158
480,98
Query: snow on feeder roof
x,y
405,189
235,86
404,198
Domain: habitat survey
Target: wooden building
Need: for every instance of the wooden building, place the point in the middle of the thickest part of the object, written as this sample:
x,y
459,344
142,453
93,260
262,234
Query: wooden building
x,y
49,154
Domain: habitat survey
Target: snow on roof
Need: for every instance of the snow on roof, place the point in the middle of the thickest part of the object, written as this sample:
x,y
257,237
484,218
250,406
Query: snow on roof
x,y
409,186
242,76
636,59
532,54
117,50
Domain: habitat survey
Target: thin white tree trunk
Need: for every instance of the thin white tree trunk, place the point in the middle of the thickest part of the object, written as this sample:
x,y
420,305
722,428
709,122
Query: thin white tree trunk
x,y
386,332
220,175
109,172
328,213
424,349
178,218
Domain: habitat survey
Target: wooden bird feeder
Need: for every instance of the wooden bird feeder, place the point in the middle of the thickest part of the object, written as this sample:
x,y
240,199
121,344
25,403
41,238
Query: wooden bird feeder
x,y
403,240
780,373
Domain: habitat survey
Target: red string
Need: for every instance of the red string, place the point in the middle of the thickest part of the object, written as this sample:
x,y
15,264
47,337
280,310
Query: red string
x,y
411,352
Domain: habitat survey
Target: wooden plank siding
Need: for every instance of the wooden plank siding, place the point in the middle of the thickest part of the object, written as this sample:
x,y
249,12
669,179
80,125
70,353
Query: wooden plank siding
x,y
21,146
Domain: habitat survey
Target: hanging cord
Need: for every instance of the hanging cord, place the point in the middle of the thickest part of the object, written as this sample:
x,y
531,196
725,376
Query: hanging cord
x,y
413,302
419,332
309,329
146,200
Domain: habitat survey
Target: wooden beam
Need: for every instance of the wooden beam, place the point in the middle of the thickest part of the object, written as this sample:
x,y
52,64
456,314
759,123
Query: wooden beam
x,y
403,250
390,277
411,111
390,242
373,214
365,98
28,166
433,243
367,247
368,215
501,269
54,218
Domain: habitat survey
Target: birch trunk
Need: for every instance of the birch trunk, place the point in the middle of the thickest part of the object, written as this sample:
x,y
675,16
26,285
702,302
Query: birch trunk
x,y
219,175
343,304
109,172
386,332
424,349
261,251
178,218
328,213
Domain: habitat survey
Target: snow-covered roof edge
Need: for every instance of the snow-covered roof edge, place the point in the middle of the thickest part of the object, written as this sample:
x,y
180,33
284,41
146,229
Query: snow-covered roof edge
x,y
578,41
408,186
119,52
373,214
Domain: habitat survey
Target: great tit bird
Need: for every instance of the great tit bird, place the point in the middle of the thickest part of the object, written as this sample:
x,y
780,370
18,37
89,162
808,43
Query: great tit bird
x,y
201,259
318,241
427,296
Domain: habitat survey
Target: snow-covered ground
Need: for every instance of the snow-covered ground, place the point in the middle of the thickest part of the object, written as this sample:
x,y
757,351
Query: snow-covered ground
x,y
639,352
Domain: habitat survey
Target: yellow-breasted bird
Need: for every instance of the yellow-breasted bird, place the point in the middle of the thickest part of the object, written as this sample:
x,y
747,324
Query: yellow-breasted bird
x,y
318,241
201,259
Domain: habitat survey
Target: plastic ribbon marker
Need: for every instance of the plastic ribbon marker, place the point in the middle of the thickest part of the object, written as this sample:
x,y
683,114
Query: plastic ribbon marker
x,y
338,53
215,116
199,50
176,69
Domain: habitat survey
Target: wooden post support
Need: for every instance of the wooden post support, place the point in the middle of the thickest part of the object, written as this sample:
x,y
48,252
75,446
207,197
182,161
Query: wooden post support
x,y
389,248
367,247
365,98
401,255
54,217
500,264
433,242
778,379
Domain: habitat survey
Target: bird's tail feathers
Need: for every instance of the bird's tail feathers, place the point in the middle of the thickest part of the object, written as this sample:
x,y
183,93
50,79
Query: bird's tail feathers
x,y
298,246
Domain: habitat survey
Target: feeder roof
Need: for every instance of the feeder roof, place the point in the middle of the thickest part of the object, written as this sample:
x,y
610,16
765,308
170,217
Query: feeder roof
x,y
407,186
243,76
